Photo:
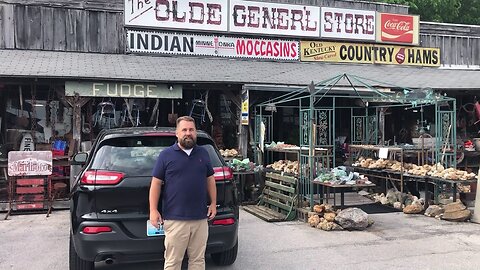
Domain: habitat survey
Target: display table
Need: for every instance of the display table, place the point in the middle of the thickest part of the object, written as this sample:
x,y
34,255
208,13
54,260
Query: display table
x,y
326,186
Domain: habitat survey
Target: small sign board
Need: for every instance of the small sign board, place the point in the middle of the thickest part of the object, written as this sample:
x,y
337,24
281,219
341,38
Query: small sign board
x,y
245,107
383,153
28,163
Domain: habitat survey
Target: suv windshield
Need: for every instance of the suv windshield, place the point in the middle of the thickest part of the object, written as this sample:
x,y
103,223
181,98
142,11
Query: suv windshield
x,y
137,155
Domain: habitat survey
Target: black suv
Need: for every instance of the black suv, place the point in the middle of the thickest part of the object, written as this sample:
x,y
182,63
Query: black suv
x,y
109,205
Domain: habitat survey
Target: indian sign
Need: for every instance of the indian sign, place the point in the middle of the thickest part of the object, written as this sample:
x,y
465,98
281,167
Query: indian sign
x,y
126,90
27,163
368,53
211,45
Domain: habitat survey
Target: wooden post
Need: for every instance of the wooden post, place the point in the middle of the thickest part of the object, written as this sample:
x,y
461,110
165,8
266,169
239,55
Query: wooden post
x,y
76,102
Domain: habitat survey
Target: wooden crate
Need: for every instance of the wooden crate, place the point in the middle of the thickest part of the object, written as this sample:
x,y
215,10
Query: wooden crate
x,y
278,199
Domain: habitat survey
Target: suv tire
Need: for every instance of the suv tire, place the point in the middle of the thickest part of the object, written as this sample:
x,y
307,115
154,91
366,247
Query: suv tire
x,y
76,263
227,257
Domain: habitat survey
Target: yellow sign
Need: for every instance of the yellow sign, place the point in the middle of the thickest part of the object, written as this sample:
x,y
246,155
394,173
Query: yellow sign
x,y
245,107
368,53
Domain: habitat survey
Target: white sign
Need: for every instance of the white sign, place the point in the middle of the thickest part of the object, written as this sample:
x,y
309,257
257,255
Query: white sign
x,y
274,19
211,45
208,15
383,153
347,24
22,163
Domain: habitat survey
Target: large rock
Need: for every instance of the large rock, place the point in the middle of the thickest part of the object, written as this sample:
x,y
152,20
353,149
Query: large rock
x,y
413,209
352,219
461,215
454,207
330,217
433,211
313,220
392,196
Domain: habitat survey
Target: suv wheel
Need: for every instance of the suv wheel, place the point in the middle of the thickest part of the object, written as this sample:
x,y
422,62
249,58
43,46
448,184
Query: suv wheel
x,y
227,257
76,263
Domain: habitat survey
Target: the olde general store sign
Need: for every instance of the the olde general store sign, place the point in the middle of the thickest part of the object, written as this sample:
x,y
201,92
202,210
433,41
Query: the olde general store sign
x,y
368,53
347,24
126,90
397,28
211,45
208,15
24,163
267,18
273,18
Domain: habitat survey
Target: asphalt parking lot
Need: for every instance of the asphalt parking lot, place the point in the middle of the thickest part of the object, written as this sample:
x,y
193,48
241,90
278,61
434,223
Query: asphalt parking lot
x,y
395,241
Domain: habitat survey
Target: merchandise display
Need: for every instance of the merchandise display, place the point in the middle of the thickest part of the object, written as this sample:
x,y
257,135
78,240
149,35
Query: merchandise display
x,y
229,152
285,166
436,170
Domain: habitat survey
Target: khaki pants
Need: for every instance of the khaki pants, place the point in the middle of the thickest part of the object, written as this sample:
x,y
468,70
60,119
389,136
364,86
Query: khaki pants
x,y
185,235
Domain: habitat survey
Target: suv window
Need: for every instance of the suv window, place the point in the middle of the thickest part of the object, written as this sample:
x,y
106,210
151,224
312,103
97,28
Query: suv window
x,y
137,155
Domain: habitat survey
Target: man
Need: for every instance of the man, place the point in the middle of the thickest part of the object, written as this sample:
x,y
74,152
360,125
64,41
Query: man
x,y
186,173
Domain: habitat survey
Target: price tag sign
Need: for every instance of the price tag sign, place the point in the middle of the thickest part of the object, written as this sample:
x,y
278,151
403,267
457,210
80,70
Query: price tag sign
x,y
383,153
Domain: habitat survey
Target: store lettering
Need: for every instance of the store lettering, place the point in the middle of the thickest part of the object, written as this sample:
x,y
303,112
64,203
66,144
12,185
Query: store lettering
x,y
123,90
138,6
266,48
273,18
317,49
198,12
349,23
155,42
397,25
419,56
366,53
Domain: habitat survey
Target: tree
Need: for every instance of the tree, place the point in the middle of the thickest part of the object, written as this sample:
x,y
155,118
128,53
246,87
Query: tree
x,y
449,11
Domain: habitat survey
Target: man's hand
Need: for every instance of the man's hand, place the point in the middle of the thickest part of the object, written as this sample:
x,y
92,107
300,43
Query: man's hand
x,y
212,211
156,218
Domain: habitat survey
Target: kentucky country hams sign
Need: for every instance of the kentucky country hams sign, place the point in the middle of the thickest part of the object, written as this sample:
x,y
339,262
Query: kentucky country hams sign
x,y
368,53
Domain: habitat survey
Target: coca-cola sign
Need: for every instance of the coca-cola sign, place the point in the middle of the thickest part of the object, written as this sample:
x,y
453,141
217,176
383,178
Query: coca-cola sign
x,y
395,28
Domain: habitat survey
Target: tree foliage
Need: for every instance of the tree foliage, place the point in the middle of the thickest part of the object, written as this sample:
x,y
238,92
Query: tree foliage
x,y
449,11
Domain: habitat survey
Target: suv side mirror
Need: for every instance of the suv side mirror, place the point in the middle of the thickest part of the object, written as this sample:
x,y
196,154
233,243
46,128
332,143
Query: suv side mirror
x,y
79,159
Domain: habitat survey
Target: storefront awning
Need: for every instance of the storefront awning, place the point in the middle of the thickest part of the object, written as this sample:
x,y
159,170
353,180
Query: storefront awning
x,y
121,67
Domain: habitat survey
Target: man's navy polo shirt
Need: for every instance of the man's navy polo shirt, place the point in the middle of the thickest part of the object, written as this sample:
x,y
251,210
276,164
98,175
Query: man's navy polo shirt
x,y
185,182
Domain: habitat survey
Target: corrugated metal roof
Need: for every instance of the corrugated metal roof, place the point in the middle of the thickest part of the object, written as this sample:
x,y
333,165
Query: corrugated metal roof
x,y
72,65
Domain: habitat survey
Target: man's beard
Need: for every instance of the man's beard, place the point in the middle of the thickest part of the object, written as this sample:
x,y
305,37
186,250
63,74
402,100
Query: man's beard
x,y
188,142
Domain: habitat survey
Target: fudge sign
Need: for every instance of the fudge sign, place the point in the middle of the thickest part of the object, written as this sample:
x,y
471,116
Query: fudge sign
x,y
197,14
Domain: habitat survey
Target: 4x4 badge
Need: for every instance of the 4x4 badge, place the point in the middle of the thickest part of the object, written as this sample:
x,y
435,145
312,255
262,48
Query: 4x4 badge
x,y
114,211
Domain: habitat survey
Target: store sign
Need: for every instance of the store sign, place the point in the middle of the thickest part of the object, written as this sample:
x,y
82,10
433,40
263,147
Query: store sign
x,y
368,53
211,45
273,19
208,15
25,163
125,90
245,107
347,24
398,28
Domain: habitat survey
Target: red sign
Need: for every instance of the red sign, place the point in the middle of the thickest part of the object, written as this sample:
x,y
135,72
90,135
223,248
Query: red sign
x,y
398,28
